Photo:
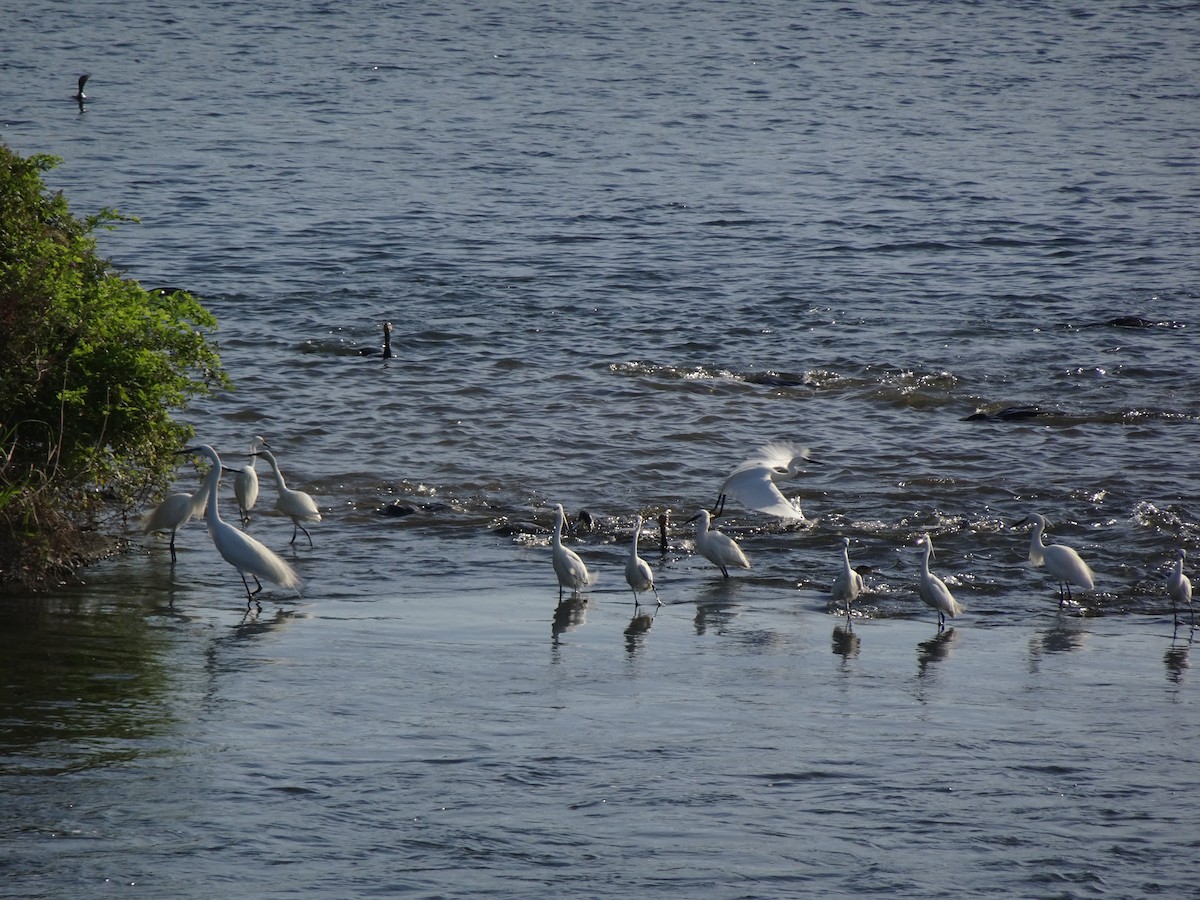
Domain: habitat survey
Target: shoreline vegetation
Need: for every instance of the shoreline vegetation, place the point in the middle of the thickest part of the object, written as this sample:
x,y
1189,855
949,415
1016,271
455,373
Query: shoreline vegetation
x,y
92,366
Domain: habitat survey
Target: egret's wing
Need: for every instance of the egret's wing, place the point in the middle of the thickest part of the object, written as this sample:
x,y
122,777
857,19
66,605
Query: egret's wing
x,y
774,455
755,489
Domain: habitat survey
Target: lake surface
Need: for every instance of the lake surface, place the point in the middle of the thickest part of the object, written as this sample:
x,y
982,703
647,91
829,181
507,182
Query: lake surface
x,y
623,245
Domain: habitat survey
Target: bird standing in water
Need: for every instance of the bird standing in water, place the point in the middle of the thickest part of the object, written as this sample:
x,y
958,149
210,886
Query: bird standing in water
x,y
569,568
934,591
244,553
245,482
175,512
1060,560
296,505
719,549
848,584
1179,586
637,570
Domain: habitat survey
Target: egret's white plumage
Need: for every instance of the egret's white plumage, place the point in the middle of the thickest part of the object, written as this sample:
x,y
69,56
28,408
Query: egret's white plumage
x,y
1179,586
173,513
296,505
1060,560
569,568
245,483
719,549
753,482
637,570
934,591
244,553
848,584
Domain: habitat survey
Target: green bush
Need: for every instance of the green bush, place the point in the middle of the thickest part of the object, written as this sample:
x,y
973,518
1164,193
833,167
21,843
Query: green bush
x,y
92,366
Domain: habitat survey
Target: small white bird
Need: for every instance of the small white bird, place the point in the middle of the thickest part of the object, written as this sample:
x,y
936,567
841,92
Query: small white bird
x,y
934,591
569,568
296,505
1179,586
173,513
244,553
848,584
753,482
1061,561
245,483
719,549
637,570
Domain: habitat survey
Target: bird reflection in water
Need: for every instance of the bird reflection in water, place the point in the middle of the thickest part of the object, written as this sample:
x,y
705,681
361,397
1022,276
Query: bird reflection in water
x,y
570,613
1176,660
934,650
638,627
845,642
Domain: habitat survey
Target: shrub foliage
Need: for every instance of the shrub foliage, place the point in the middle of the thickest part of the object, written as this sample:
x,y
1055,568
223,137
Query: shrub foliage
x,y
92,367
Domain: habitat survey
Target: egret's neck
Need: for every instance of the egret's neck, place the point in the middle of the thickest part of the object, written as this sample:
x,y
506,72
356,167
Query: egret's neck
x,y
211,483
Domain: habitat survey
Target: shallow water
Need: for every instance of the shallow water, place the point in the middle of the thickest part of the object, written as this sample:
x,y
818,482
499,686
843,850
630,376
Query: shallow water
x,y
621,248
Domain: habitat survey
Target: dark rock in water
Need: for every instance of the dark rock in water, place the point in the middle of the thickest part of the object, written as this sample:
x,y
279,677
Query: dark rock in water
x,y
775,379
1009,414
396,508
1134,322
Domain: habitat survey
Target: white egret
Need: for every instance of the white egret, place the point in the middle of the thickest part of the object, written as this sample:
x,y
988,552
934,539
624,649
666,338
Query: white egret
x,y
569,568
1061,561
934,591
245,482
753,482
1179,586
848,584
719,549
637,570
244,553
296,505
173,513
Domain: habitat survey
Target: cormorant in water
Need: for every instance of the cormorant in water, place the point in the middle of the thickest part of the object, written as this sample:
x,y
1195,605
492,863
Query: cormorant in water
x,y
386,352
80,96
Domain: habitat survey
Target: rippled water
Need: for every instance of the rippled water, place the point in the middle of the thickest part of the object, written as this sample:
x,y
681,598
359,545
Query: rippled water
x,y
621,247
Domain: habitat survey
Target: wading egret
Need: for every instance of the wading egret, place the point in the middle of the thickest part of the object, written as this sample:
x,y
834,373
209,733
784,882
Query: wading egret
x,y
848,584
1060,560
245,482
173,513
753,482
569,568
719,549
296,505
637,570
934,591
244,553
1179,586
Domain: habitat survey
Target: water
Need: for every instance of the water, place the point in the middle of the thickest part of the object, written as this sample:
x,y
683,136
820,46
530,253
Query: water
x,y
622,246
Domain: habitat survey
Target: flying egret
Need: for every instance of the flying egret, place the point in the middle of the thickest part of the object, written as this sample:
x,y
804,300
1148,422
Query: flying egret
x,y
244,553
719,549
245,483
637,570
296,505
173,513
1062,561
753,482
934,591
848,584
569,568
1179,586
